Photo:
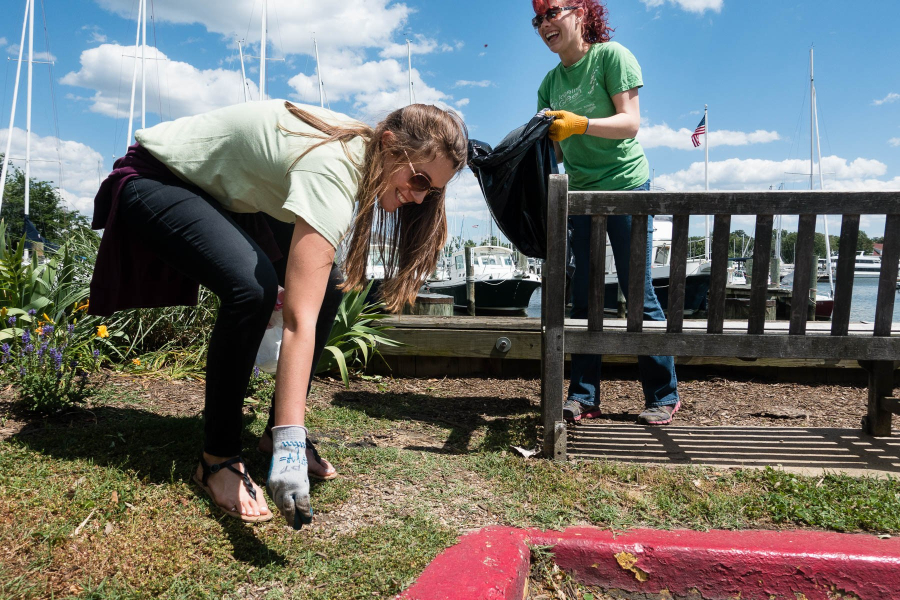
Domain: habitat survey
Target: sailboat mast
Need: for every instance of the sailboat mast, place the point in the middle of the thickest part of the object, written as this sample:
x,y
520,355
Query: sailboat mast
x,y
243,73
319,75
815,120
137,40
28,106
12,115
409,69
144,65
262,54
812,118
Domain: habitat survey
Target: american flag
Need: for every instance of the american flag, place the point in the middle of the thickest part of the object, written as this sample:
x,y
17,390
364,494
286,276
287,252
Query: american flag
x,y
701,129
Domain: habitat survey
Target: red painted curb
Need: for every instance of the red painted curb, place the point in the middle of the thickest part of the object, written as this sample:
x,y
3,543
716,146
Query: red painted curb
x,y
493,564
490,564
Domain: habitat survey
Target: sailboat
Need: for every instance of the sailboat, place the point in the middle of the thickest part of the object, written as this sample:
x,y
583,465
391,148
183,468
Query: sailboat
x,y
824,302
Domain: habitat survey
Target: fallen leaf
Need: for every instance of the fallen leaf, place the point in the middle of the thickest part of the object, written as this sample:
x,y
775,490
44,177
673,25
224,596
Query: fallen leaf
x,y
108,529
115,497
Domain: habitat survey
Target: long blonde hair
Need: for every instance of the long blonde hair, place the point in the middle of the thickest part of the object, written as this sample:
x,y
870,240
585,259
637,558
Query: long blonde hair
x,y
411,238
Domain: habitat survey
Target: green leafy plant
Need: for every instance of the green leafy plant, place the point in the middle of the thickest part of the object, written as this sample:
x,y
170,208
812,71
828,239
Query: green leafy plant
x,y
355,335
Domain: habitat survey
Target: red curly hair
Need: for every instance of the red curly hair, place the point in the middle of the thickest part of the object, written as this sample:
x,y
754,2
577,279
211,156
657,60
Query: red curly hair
x,y
596,18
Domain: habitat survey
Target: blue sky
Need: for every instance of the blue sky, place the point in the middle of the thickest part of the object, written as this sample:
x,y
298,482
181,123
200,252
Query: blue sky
x,y
749,61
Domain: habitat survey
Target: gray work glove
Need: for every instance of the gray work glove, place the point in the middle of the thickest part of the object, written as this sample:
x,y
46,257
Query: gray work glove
x,y
288,483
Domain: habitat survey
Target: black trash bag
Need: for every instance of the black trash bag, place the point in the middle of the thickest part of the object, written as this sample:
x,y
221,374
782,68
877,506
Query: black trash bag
x,y
514,178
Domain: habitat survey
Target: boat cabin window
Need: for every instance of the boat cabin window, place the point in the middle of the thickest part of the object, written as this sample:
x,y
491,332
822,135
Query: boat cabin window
x,y
460,263
662,256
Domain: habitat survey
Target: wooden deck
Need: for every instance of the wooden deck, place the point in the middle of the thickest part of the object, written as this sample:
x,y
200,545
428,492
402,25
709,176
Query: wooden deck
x,y
810,451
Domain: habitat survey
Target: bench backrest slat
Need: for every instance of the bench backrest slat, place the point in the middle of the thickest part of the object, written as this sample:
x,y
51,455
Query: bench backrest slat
x,y
840,316
759,285
718,278
596,295
677,271
803,273
637,272
890,254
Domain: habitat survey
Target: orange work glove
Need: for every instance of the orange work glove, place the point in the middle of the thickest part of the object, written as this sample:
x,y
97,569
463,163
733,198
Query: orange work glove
x,y
566,124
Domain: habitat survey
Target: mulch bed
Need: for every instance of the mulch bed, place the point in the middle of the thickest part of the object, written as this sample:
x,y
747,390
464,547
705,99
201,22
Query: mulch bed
x,y
468,402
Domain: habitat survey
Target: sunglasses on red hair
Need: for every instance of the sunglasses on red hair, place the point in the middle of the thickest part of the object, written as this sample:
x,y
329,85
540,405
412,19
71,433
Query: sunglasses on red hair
x,y
550,15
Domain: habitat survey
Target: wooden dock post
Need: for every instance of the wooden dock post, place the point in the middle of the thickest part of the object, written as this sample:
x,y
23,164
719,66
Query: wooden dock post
x,y
470,283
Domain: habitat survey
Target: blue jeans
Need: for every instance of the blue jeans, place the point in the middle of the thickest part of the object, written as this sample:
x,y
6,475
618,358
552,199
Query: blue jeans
x,y
657,372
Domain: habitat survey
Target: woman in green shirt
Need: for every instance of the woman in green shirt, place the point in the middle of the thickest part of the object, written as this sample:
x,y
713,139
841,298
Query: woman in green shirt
x,y
173,210
593,93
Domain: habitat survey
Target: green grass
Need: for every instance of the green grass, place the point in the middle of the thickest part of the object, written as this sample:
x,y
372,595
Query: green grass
x,y
150,534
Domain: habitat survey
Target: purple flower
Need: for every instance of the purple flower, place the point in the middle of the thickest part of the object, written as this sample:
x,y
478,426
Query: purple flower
x,y
29,348
4,349
32,312
71,329
26,336
42,350
47,330
255,372
96,354
22,372
11,320
57,358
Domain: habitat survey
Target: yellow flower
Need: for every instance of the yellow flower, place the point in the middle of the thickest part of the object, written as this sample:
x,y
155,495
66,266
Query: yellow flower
x,y
83,306
136,361
49,320
102,331
3,312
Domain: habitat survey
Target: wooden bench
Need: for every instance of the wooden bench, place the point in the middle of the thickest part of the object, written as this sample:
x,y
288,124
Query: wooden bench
x,y
873,346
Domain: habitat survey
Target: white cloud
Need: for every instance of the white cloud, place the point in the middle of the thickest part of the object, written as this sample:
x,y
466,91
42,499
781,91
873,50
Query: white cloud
x,y
656,136
3,42
349,24
346,34
895,142
373,88
80,165
174,88
464,199
892,97
421,45
464,83
696,6
758,174
461,103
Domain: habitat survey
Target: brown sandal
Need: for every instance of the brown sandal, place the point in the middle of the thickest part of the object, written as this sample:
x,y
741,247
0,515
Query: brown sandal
x,y
228,464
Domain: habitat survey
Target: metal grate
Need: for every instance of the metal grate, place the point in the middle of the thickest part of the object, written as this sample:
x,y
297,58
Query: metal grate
x,y
792,448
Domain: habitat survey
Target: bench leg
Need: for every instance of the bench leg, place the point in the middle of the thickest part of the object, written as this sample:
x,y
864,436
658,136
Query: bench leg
x,y
552,363
877,421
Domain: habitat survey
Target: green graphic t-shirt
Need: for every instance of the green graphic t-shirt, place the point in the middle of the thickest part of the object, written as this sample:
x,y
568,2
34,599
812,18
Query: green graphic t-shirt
x,y
586,88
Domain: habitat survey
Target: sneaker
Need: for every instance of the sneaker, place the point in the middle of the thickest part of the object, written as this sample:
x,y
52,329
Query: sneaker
x,y
658,415
573,410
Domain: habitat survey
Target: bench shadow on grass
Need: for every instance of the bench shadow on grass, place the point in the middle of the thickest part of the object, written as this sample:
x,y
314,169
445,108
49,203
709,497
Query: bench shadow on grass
x,y
158,449
506,421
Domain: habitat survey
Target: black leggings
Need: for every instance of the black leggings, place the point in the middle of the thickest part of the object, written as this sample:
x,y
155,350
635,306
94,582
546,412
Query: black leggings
x,y
195,235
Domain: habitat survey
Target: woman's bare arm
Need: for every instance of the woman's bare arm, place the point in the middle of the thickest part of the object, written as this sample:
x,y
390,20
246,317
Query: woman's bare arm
x,y
309,265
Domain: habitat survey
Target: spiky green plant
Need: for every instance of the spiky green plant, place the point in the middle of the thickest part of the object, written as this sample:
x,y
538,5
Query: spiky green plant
x,y
356,334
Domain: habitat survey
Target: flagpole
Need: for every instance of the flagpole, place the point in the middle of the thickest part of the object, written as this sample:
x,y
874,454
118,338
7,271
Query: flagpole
x,y
706,169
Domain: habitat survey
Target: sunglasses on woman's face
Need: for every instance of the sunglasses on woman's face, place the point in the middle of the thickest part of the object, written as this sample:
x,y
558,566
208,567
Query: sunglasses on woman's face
x,y
550,15
420,182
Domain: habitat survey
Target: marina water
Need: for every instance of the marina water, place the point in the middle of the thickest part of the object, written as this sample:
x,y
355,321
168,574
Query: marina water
x,y
862,307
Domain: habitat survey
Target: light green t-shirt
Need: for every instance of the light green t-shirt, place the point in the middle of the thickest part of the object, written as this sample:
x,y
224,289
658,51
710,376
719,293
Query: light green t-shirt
x,y
240,157
586,88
